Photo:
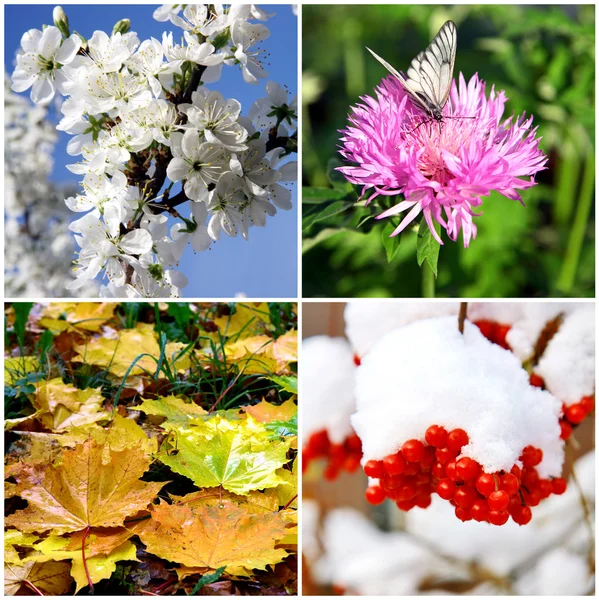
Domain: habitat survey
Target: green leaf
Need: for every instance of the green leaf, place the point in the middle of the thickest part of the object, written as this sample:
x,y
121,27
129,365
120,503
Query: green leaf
x,y
239,455
391,244
21,315
309,242
332,209
206,580
314,195
427,247
287,382
283,428
174,409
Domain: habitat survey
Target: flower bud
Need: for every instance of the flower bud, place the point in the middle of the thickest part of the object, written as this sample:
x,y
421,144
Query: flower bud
x,y
61,21
122,26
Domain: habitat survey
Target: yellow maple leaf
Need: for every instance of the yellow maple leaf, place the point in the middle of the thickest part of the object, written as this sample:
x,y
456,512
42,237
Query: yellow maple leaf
x,y
249,318
89,316
265,412
14,537
53,578
17,367
213,535
173,408
62,405
240,455
117,354
83,490
101,556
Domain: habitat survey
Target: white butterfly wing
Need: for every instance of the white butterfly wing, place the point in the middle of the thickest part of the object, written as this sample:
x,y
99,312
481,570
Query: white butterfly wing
x,y
428,79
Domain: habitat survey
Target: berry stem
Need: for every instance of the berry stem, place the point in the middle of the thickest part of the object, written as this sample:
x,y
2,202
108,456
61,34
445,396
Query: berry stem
x,y
462,316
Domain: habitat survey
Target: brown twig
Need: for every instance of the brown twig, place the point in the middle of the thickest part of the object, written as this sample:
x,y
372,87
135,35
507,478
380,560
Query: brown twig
x,y
462,316
289,503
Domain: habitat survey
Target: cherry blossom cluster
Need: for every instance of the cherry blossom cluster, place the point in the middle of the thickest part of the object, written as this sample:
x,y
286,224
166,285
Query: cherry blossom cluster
x,y
37,242
143,118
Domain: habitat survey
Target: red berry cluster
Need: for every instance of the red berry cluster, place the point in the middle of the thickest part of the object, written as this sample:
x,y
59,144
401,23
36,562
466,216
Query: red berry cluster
x,y
410,476
494,332
572,415
340,457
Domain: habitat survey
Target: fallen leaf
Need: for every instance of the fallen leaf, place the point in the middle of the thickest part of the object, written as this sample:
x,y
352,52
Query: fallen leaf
x,y
213,535
175,409
248,319
89,316
53,578
238,455
117,355
13,538
83,490
265,412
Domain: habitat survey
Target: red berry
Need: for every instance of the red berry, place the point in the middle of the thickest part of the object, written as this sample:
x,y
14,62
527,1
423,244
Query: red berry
x,y
559,485
375,495
487,328
450,471
522,515
331,472
320,442
517,471
509,484
533,498
436,436
545,488
463,514
352,463
466,468
353,442
498,517
423,500
413,450
464,496
374,468
392,482
406,492
498,500
405,504
575,413
531,456
446,489
530,478
428,458
394,464
588,403
412,469
444,455
357,360
566,430
501,332
456,438
479,510
485,484
438,471
536,380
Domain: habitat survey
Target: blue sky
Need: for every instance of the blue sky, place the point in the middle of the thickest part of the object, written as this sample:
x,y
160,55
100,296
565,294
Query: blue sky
x,y
266,266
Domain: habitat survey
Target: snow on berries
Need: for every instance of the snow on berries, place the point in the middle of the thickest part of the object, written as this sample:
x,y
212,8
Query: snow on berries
x,y
460,420
328,371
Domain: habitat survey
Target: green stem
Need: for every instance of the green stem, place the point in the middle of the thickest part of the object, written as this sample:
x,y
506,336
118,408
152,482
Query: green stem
x,y
567,175
428,281
567,274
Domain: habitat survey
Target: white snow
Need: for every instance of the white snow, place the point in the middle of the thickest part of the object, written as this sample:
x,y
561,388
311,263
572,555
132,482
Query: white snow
x,y
427,373
568,364
370,562
327,373
558,573
367,322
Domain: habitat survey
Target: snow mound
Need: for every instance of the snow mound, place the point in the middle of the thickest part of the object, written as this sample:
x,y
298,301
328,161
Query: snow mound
x,y
370,562
568,364
327,380
428,373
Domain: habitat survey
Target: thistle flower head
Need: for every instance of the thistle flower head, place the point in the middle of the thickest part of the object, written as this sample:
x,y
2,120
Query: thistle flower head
x,y
442,169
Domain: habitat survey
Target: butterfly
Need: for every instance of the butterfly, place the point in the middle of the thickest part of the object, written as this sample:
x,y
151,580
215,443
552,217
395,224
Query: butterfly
x,y
429,77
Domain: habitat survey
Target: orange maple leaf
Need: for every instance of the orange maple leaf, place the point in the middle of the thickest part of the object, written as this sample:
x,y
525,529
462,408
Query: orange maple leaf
x,y
88,488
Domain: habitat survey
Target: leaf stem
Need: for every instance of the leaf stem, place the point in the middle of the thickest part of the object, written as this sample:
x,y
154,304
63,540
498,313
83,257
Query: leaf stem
x,y
428,281
89,579
33,587
567,274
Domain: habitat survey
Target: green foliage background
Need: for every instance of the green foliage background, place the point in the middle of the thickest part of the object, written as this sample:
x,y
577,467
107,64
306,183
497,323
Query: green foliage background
x,y
543,57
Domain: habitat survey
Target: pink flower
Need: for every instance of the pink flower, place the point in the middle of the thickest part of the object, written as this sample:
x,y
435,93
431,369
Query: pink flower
x,y
442,169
